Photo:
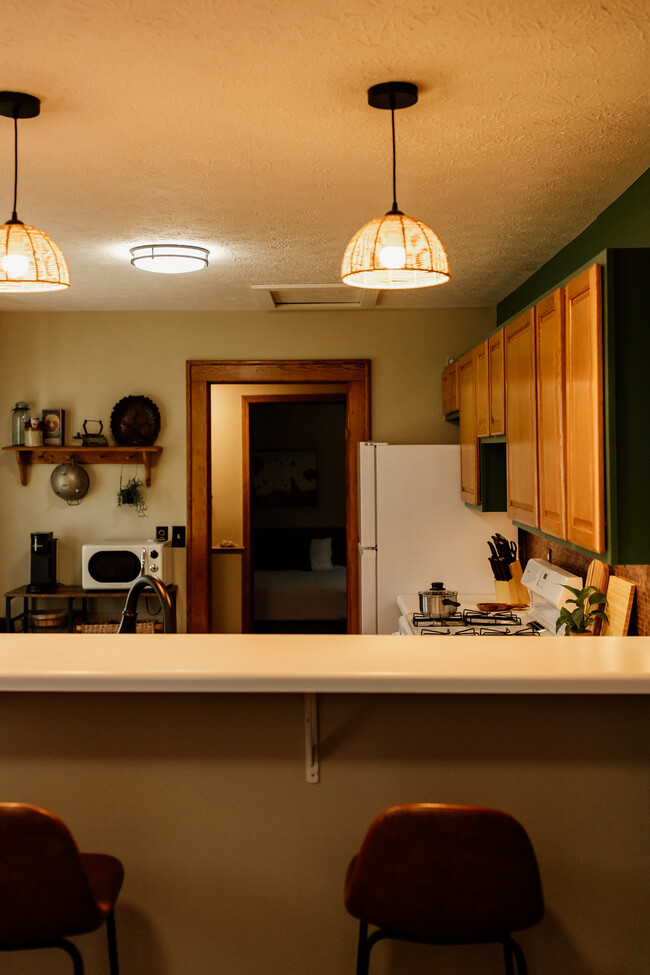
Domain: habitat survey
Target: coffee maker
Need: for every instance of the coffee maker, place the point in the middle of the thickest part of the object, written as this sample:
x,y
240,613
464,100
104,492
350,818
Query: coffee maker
x,y
43,562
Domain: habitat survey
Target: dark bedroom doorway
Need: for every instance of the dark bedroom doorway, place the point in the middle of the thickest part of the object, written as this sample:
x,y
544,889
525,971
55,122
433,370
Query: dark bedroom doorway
x,y
350,375
294,569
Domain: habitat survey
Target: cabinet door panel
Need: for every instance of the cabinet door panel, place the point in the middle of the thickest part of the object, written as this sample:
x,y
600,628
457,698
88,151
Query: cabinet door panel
x,y
450,388
496,384
549,327
584,411
521,419
469,474
482,391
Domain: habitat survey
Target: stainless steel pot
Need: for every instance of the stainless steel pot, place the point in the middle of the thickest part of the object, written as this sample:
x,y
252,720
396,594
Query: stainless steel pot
x,y
438,602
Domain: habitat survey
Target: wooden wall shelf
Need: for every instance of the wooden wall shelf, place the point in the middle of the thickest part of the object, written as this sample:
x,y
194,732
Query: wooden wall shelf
x,y
85,455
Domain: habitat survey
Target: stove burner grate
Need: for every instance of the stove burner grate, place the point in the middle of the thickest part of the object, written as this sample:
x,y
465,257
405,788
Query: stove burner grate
x,y
475,623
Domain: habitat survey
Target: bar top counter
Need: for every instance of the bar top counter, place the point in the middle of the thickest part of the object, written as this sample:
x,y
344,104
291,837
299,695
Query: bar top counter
x,y
246,663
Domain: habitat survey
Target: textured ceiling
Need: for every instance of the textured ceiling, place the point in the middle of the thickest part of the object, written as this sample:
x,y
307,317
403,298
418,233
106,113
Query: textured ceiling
x,y
244,126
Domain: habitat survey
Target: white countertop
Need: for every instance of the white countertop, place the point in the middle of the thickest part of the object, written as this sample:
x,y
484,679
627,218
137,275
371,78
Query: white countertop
x,y
323,663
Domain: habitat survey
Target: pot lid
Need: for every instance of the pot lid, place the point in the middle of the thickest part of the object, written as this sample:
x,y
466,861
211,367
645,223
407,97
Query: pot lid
x,y
437,589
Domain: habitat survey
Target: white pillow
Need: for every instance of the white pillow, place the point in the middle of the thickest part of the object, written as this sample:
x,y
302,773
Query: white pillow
x,y
320,554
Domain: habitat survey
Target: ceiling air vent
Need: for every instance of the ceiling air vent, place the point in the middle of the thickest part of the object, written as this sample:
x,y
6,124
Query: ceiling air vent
x,y
316,297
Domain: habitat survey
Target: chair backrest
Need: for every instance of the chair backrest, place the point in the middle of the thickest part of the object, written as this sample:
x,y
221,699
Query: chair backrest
x,y
458,873
44,891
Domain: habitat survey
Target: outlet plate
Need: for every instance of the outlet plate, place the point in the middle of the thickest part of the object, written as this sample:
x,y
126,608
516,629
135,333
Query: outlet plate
x,y
178,536
162,533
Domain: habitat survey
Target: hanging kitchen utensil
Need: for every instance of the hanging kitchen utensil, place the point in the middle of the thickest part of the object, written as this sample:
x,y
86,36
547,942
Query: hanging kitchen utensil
x,y
70,482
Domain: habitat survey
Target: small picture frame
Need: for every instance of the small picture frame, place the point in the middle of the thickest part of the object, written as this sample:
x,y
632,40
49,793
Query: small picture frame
x,y
53,428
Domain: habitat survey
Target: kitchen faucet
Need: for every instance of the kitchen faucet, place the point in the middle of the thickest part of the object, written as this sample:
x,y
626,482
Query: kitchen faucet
x,y
130,611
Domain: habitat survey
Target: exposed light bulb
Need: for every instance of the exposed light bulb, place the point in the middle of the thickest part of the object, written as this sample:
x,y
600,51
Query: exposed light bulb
x,y
15,265
392,257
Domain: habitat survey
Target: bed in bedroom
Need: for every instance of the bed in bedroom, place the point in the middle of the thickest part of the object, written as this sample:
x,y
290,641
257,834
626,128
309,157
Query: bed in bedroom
x,y
299,575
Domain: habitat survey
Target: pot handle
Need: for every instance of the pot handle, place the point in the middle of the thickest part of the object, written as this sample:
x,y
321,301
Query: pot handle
x,y
450,602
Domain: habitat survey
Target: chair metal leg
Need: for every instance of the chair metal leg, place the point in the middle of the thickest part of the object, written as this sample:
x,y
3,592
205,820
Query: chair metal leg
x,y
522,968
73,951
63,943
112,945
363,951
507,956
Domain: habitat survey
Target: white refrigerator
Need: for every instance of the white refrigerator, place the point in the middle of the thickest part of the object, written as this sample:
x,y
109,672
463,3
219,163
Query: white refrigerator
x,y
415,530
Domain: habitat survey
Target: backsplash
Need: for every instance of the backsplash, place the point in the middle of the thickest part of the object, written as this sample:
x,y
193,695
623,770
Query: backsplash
x,y
534,547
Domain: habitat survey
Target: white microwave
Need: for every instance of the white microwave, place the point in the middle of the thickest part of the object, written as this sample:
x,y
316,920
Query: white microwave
x,y
117,564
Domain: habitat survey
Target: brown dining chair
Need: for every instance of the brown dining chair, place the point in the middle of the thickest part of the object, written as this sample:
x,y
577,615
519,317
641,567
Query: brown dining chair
x,y
49,891
444,875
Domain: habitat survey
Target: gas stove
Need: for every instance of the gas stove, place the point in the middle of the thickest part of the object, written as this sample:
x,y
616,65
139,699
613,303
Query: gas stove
x,y
545,583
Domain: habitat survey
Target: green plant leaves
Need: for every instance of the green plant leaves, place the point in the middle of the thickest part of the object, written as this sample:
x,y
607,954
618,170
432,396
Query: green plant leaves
x,y
581,618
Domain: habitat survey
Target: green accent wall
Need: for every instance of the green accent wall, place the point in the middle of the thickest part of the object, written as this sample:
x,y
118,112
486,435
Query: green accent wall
x,y
625,223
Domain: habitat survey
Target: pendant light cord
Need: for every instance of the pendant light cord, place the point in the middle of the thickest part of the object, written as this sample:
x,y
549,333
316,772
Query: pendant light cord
x,y
395,208
14,216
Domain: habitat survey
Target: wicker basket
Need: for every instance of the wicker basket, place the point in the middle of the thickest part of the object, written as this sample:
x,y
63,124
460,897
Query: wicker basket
x,y
110,626
41,620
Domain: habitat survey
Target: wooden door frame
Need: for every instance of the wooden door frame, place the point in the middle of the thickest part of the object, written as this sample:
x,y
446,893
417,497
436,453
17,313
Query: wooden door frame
x,y
201,375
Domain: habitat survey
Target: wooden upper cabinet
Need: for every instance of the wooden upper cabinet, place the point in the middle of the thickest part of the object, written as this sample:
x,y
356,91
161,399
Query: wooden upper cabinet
x,y
450,388
521,419
482,390
469,472
496,386
584,411
551,447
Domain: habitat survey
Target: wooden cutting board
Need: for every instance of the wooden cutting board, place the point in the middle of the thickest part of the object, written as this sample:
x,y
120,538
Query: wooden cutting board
x,y
620,596
598,576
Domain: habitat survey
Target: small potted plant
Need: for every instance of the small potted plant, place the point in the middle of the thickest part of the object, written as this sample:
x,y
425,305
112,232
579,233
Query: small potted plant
x,y
580,621
129,493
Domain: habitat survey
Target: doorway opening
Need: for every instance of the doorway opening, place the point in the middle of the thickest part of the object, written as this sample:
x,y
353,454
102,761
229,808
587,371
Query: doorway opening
x,y
294,571
351,376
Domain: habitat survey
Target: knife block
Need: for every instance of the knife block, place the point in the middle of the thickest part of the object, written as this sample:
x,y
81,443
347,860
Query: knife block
x,y
512,591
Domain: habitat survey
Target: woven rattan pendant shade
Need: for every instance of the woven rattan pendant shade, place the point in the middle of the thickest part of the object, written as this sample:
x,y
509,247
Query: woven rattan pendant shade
x,y
394,251
425,264
29,259
46,268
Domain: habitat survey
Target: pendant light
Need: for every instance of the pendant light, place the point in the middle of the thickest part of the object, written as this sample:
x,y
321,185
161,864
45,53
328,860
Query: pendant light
x,y
394,251
29,259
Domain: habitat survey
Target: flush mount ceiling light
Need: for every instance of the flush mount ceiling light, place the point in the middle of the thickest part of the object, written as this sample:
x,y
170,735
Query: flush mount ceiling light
x,y
169,258
29,259
394,251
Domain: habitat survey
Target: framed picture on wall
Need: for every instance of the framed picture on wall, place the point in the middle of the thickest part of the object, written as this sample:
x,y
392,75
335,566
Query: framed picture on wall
x,y
284,478
53,428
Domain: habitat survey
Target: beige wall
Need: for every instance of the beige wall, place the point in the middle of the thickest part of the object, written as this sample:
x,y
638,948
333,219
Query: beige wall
x,y
235,865
86,362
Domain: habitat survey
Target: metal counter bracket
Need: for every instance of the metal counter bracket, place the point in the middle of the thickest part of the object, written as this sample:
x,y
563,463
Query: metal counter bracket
x,y
312,766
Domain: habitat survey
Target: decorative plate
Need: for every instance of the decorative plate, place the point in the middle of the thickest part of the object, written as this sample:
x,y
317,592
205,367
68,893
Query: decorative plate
x,y
135,422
